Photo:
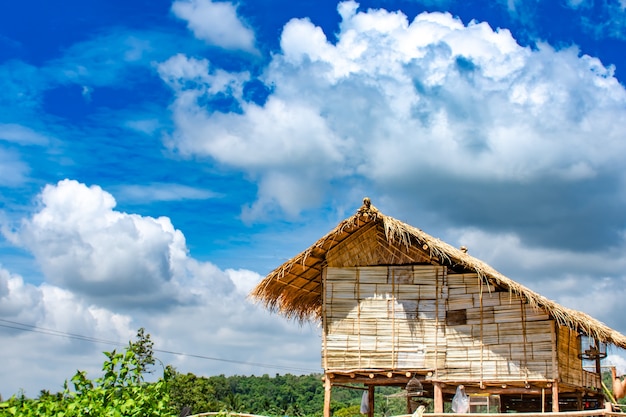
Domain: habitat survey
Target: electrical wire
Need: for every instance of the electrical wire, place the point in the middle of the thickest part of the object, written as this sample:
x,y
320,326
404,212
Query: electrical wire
x,y
50,332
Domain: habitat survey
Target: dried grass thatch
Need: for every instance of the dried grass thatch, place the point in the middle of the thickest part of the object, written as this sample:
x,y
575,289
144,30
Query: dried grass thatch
x,y
294,289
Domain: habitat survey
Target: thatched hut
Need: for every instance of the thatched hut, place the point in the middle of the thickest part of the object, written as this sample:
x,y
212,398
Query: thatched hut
x,y
400,307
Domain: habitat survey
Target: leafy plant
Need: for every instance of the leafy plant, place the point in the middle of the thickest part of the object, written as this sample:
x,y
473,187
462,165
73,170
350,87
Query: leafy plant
x,y
121,391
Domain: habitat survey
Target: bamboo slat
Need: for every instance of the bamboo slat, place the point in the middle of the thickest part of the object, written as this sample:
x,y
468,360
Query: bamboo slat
x,y
460,302
373,275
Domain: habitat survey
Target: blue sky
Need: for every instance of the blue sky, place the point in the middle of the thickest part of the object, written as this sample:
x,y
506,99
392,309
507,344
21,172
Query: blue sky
x,y
158,158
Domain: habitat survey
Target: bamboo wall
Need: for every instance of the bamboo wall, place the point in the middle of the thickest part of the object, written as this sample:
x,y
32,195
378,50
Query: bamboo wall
x,y
419,317
380,317
570,363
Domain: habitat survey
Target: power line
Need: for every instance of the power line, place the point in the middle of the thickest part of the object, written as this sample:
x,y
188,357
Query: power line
x,y
51,332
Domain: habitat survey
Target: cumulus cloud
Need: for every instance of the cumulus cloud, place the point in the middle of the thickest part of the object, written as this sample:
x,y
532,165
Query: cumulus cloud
x,y
217,23
45,315
118,259
431,104
106,273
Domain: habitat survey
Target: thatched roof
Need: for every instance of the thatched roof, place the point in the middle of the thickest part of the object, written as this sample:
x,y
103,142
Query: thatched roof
x,y
294,289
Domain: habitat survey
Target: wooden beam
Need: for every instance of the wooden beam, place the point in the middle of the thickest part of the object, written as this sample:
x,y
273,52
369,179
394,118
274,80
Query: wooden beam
x,y
370,400
370,379
438,398
555,397
327,389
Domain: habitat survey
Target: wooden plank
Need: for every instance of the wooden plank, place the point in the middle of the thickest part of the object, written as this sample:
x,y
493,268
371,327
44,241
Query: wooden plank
x,y
334,274
478,316
400,275
373,275
460,302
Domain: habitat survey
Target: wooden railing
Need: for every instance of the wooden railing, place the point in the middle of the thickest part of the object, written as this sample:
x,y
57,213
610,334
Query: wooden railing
x,y
586,413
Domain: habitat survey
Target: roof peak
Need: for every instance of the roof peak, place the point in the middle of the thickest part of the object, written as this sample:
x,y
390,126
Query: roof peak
x,y
367,208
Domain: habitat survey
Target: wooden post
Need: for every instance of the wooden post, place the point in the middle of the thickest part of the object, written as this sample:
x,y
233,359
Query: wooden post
x,y
555,397
327,387
598,365
438,397
370,400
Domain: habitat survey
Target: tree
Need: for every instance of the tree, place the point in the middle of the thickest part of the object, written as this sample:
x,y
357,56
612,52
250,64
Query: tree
x,y
144,351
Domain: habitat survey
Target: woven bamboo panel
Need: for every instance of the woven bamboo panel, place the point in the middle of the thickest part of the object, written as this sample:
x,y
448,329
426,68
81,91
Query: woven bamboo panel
x,y
341,327
386,318
535,314
538,331
460,302
507,313
507,297
541,351
456,281
407,360
342,274
368,290
488,299
570,365
399,274
372,275
540,368
510,329
392,317
427,309
488,333
340,289
408,292
477,316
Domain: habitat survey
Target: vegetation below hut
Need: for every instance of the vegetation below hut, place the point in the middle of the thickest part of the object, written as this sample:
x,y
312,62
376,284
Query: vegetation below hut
x,y
123,391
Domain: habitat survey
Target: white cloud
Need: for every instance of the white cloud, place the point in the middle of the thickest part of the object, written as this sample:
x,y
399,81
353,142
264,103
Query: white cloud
x,y
118,259
45,315
217,23
21,135
179,69
392,101
20,300
147,126
107,273
162,192
13,171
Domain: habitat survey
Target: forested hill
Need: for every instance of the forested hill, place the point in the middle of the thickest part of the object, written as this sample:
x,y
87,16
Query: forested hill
x,y
279,395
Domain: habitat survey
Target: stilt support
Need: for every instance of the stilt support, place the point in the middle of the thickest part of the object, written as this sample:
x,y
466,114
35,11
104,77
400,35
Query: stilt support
x,y
327,389
370,399
555,397
438,397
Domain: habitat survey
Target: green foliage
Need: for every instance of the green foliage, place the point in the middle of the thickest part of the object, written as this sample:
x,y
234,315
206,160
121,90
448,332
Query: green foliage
x,y
607,380
121,391
350,411
281,395
143,348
